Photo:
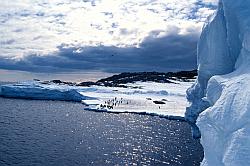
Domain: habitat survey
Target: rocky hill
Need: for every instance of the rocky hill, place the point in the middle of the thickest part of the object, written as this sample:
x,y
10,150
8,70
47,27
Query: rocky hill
x,y
120,79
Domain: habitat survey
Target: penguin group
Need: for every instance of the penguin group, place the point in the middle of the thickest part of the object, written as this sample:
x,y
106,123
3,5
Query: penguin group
x,y
115,102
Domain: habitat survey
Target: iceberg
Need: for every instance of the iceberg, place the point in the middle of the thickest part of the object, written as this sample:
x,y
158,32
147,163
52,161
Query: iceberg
x,y
38,91
220,98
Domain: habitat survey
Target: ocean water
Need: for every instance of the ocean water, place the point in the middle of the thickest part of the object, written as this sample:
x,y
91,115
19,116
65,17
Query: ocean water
x,y
44,133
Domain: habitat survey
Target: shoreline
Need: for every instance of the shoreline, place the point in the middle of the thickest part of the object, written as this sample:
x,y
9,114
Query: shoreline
x,y
168,117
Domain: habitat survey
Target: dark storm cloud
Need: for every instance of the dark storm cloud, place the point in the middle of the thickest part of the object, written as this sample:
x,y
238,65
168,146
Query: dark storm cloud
x,y
168,53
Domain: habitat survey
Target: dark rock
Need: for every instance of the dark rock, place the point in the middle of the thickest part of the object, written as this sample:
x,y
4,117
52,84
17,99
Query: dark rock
x,y
120,80
159,102
56,81
124,78
88,83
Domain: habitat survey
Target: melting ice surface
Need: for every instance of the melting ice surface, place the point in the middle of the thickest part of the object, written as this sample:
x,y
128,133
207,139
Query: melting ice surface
x,y
164,99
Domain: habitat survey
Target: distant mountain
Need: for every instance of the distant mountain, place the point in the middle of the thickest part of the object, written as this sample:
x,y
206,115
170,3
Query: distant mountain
x,y
120,79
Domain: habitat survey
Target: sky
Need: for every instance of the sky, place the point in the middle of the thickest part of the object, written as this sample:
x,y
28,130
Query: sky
x,y
87,39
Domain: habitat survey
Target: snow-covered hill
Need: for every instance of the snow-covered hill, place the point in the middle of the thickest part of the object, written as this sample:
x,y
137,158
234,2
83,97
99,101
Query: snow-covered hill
x,y
221,95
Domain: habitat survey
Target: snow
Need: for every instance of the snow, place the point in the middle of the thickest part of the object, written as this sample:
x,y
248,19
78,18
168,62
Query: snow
x,y
130,100
141,100
220,98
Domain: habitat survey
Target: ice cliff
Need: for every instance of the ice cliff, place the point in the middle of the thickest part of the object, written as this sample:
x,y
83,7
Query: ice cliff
x,y
37,91
220,98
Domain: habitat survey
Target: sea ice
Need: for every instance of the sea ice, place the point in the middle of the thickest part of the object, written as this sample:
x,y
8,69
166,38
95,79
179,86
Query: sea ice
x,y
162,99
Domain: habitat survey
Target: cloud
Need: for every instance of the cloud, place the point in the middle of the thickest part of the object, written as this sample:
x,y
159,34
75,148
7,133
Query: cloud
x,y
110,35
166,53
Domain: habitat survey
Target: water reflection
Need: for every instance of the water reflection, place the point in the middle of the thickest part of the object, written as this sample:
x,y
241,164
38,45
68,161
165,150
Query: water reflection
x,y
62,133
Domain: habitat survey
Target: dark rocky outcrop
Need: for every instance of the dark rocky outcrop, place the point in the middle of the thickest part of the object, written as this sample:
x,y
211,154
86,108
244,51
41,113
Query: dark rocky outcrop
x,y
120,80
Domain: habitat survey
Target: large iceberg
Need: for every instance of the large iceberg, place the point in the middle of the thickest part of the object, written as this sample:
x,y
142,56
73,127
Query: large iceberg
x,y
220,98
38,91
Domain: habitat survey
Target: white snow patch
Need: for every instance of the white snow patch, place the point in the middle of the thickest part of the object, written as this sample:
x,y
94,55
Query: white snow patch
x,y
141,100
